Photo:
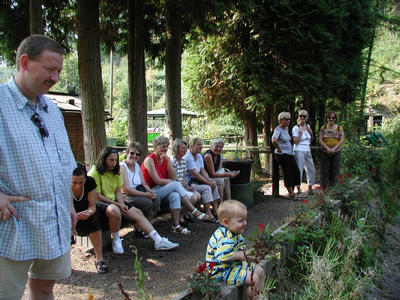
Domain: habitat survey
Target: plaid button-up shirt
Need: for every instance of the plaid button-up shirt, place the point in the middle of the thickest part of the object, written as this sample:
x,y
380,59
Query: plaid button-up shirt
x,y
36,167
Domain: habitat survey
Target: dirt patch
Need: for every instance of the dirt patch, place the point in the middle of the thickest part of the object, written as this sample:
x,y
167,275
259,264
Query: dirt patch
x,y
165,271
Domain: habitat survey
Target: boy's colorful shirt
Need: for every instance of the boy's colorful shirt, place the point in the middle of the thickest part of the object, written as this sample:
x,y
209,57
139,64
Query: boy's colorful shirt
x,y
221,247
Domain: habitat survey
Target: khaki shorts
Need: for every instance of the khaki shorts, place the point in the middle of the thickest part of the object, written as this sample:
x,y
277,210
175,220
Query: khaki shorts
x,y
14,273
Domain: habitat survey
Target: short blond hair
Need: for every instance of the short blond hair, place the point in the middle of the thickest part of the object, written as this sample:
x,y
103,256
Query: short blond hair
x,y
159,140
284,115
194,141
229,209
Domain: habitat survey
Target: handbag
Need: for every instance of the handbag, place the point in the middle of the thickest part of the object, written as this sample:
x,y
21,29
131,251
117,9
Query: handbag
x,y
193,181
141,188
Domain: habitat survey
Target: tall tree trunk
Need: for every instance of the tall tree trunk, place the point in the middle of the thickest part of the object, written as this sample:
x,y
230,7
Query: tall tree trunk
x,y
137,101
35,17
250,137
275,165
267,137
173,112
312,120
89,66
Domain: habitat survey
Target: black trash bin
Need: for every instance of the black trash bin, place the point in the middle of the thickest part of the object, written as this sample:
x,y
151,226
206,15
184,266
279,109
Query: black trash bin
x,y
244,166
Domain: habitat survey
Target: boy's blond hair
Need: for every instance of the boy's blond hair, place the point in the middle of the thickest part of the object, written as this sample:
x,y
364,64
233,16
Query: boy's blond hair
x,y
229,208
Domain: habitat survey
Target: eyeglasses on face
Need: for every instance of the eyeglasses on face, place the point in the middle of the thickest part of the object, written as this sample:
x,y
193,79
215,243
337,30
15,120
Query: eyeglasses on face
x,y
37,120
303,116
331,118
286,119
134,153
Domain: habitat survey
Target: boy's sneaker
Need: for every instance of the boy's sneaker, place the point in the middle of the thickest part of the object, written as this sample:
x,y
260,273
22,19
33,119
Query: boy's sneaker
x,y
117,245
165,244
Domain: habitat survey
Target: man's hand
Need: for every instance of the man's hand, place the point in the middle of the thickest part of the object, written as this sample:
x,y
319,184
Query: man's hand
x,y
6,209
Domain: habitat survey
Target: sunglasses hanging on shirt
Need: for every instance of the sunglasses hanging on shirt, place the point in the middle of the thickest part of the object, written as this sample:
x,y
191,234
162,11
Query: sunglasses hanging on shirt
x,y
37,120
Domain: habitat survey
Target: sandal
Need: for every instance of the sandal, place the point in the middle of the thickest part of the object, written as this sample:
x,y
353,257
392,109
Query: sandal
x,y
101,267
201,216
180,229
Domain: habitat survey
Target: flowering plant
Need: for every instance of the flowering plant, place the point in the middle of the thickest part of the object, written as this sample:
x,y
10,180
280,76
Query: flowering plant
x,y
263,243
202,282
345,188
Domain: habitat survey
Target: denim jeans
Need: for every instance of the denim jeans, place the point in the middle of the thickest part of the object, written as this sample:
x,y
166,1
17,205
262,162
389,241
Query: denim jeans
x,y
171,192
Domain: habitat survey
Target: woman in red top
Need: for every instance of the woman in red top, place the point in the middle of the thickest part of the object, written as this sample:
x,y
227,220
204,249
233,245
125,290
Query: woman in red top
x,y
160,176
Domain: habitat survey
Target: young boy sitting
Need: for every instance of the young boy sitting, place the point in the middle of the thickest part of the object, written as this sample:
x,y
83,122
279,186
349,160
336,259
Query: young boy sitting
x,y
225,250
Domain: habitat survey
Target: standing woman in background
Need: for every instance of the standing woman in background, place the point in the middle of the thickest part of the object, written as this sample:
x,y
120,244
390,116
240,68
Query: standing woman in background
x,y
302,137
331,138
283,153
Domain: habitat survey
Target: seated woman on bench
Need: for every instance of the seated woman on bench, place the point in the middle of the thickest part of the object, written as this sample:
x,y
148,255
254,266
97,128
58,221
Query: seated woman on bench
x,y
109,182
160,175
91,216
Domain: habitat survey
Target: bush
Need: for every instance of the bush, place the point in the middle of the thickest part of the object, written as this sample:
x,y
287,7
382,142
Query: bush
x,y
358,160
391,131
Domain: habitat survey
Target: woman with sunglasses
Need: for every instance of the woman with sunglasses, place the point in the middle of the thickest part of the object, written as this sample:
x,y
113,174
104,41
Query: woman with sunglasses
x,y
302,137
137,193
283,153
109,183
331,138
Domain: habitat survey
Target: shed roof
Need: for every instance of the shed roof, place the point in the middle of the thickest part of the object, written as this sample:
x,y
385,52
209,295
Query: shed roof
x,y
160,113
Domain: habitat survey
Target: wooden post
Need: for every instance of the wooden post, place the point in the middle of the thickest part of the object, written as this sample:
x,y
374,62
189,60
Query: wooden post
x,y
275,177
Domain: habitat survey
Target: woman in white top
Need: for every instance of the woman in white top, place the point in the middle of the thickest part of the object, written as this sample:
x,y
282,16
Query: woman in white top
x,y
135,189
303,136
198,178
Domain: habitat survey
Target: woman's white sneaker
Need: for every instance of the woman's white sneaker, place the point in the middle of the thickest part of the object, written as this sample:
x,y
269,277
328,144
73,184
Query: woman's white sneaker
x,y
165,244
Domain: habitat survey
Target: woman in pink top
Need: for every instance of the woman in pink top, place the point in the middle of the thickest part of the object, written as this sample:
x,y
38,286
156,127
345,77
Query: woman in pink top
x,y
160,175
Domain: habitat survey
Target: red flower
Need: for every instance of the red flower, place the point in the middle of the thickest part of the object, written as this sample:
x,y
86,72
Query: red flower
x,y
328,189
201,268
261,226
340,176
348,175
304,201
372,169
341,182
212,265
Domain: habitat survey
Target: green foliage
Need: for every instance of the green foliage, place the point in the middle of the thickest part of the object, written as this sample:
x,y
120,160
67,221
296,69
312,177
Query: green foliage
x,y
204,283
358,160
141,275
261,54
14,24
119,129
391,130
